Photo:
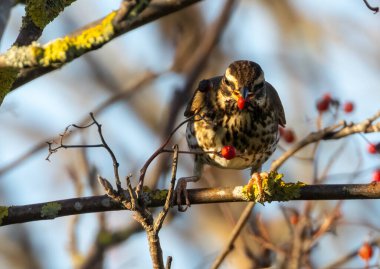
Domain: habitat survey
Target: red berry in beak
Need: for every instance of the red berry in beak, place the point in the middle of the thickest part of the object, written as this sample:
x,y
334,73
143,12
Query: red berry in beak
x,y
228,152
241,103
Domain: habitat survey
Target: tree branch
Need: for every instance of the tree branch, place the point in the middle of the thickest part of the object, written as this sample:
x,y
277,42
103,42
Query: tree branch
x,y
39,60
333,132
154,198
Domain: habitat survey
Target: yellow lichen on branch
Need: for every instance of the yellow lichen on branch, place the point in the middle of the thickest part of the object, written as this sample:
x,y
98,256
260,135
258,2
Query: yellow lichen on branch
x,y
273,187
54,53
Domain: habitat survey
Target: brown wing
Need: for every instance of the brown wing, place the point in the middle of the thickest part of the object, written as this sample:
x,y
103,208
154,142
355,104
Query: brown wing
x,y
201,94
276,103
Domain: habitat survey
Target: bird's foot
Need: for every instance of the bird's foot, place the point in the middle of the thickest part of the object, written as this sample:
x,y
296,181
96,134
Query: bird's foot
x,y
181,189
256,184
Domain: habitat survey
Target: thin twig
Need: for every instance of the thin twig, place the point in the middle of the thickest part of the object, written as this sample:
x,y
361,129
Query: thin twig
x,y
234,234
169,198
110,152
169,262
104,144
125,93
333,132
154,155
374,9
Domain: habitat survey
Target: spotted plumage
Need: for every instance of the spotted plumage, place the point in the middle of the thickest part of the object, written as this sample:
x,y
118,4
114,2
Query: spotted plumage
x,y
217,121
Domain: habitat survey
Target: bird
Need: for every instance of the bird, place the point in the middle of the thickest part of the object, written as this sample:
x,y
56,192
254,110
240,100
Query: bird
x,y
238,109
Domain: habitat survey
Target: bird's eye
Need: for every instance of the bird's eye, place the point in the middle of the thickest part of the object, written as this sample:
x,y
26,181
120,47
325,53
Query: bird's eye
x,y
227,82
258,86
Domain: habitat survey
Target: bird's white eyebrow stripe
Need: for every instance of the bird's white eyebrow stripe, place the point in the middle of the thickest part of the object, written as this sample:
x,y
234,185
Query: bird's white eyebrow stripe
x,y
230,77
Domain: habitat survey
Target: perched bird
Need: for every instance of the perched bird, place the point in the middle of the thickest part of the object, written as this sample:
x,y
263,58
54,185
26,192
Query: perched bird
x,y
239,109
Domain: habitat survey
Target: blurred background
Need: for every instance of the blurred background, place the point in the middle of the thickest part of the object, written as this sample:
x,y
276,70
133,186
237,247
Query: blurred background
x,y
306,49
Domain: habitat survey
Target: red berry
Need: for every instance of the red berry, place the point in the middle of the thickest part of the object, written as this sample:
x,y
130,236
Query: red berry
x,y
376,176
372,148
323,105
294,218
241,103
348,107
365,252
289,135
327,97
228,152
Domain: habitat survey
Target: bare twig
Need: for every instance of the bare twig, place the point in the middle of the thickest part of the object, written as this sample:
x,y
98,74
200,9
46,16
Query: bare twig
x,y
234,234
333,132
126,93
374,9
169,198
155,154
169,262
352,254
102,145
130,8
110,152
141,214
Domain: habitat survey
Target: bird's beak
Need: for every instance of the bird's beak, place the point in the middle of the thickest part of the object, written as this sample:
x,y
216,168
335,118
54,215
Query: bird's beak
x,y
245,92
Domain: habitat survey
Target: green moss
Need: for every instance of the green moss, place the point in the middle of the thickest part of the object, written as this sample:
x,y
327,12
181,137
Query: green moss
x,y
8,76
50,210
159,194
3,213
274,188
42,12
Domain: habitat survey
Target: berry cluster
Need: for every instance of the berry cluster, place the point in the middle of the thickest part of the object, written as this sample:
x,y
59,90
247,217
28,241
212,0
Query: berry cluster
x,y
327,101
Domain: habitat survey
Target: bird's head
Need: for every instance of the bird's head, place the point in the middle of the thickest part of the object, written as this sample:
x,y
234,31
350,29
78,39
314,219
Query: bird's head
x,y
244,82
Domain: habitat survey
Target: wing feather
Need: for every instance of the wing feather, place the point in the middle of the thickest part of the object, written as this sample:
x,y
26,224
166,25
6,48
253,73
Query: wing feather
x,y
276,104
201,94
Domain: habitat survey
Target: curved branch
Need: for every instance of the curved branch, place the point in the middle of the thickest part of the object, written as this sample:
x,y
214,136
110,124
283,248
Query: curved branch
x,y
155,10
331,133
156,198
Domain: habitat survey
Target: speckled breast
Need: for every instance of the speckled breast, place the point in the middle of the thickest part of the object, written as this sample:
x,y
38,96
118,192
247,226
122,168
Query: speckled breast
x,y
253,134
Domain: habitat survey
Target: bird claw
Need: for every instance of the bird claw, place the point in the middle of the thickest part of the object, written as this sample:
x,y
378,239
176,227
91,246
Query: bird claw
x,y
181,189
257,179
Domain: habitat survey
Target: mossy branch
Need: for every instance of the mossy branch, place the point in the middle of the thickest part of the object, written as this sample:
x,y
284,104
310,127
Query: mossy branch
x,y
35,60
156,198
